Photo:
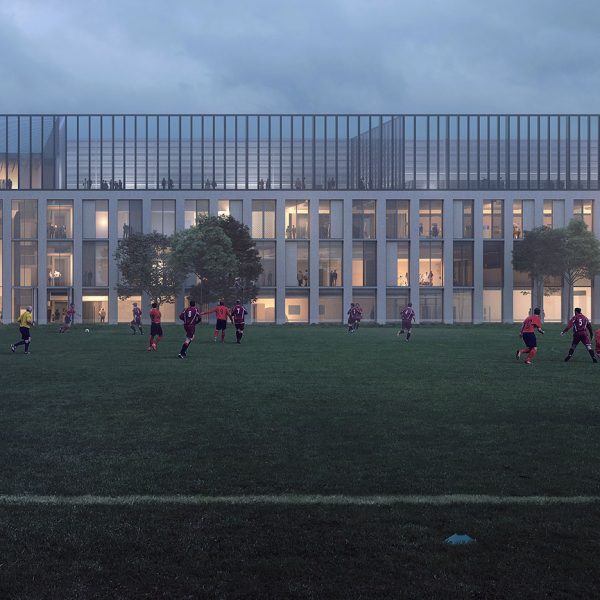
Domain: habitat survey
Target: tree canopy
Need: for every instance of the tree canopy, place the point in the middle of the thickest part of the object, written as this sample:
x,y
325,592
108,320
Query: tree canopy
x,y
145,265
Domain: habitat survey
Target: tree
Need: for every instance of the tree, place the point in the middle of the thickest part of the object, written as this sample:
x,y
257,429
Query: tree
x,y
578,258
206,251
536,255
144,262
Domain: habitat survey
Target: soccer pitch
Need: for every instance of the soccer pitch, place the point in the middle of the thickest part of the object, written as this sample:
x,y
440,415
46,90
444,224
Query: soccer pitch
x,y
303,463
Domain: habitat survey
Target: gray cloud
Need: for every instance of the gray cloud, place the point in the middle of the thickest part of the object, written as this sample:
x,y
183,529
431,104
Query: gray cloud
x,y
299,56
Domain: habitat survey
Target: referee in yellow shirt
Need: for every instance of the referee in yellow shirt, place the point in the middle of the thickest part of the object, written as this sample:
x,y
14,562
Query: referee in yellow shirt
x,y
25,324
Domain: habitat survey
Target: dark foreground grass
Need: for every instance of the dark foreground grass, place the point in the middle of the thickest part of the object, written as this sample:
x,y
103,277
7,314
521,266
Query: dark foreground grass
x,y
298,410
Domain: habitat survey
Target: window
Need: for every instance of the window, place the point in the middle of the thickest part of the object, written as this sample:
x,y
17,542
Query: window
x,y
232,208
57,303
397,267
24,219
430,218
193,210
493,264
462,306
330,264
263,219
582,211
60,219
331,219
125,308
266,252
397,219
331,309
296,264
492,219
364,264
396,301
523,212
492,306
94,308
363,219
95,219
296,220
368,302
521,304
431,305
163,216
463,219
23,297
296,306
463,264
554,213
263,309
25,264
60,264
431,264
95,264
129,218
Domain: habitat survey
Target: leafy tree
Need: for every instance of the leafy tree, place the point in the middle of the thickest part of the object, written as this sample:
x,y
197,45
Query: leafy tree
x,y
144,262
206,251
536,255
578,258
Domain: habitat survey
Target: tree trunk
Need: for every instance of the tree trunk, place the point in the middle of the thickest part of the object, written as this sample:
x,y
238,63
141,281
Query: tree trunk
x,y
570,285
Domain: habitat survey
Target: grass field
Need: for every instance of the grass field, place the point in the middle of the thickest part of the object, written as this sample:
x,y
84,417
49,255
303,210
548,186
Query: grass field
x,y
298,411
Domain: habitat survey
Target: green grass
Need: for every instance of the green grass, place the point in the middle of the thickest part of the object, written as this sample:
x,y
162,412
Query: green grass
x,y
298,410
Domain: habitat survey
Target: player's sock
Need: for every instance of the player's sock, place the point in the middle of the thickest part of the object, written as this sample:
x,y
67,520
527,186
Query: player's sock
x,y
408,336
27,346
532,353
222,336
593,355
184,349
568,356
156,341
151,341
131,327
141,332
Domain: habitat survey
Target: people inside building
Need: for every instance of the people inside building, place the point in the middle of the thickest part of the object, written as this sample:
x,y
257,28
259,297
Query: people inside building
x,y
102,314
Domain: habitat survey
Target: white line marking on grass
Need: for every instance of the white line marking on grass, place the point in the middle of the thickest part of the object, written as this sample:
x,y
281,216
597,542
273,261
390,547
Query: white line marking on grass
x,y
292,499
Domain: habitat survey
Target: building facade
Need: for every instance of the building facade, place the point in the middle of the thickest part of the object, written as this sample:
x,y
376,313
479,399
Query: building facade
x,y
379,209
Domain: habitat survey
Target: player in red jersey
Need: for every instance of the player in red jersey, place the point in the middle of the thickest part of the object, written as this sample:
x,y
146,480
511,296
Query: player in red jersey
x,y
68,320
408,316
582,332
527,332
137,319
155,327
352,314
238,314
190,317
222,313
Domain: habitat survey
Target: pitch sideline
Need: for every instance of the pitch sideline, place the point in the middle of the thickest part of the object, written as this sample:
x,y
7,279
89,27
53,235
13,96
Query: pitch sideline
x,y
293,500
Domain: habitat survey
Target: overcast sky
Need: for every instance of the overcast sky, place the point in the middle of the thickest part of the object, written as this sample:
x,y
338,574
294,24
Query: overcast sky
x,y
299,56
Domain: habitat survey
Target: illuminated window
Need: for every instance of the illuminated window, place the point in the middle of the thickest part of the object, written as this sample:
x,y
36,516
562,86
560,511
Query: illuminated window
x,y
296,307
263,309
125,308
296,264
331,219
397,267
330,264
364,264
263,219
193,210
493,227
95,308
331,308
492,306
95,219
59,264
163,216
363,219
129,218
431,264
582,211
462,306
231,208
397,219
24,219
296,219
463,219
60,219
266,252
430,218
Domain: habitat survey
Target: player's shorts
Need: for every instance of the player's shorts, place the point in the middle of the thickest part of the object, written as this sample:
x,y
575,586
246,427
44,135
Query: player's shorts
x,y
351,320
407,325
530,340
156,329
240,326
190,332
221,325
67,320
137,322
24,333
581,336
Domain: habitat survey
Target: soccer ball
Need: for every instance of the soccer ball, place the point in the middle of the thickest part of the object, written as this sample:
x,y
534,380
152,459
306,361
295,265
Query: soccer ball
x,y
87,330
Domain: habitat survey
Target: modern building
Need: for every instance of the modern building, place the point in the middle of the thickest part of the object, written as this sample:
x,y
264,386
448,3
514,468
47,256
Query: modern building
x,y
380,209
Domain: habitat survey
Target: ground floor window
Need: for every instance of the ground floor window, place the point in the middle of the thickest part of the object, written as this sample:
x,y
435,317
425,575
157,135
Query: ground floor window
x,y
94,307
331,308
552,305
23,297
125,308
431,305
296,307
263,310
492,306
57,304
462,306
521,304
368,303
395,303
582,298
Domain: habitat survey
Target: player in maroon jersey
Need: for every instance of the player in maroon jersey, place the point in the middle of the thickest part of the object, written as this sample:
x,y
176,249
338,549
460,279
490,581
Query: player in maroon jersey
x,y
408,316
359,314
352,317
238,315
190,317
68,320
582,332
137,319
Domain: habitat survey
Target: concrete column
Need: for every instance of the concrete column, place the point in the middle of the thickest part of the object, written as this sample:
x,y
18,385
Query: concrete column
x,y
380,233
538,220
7,316
564,297
595,316
247,220
179,226
113,271
213,206
413,271
147,228
313,249
448,234
41,315
507,290
280,261
78,255
478,260
347,256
